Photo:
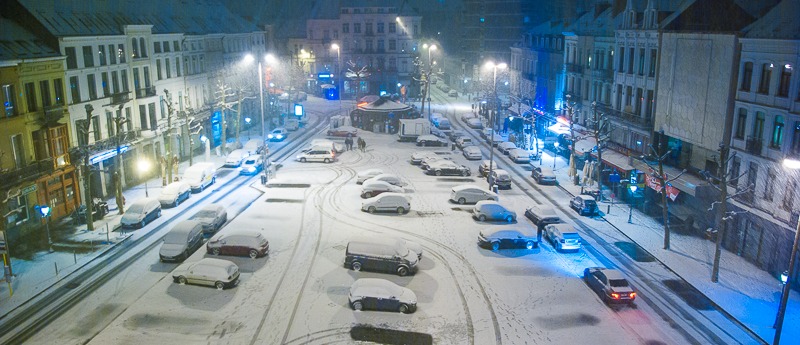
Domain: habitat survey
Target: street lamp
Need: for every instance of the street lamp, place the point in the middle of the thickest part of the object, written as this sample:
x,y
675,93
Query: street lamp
x,y
791,164
44,211
247,121
492,120
633,188
555,154
339,85
144,167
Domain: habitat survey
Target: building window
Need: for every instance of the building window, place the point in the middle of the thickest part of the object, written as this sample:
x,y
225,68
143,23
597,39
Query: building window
x,y
380,28
88,56
381,46
796,138
121,53
72,57
8,100
146,72
18,151
345,28
92,84
20,205
789,194
58,88
168,67
758,126
392,45
112,55
142,47
736,164
653,58
392,28
769,186
166,47
109,123
641,61
75,89
101,54
621,64
766,74
96,128
777,132
30,97
151,108
176,46
135,47
156,47
115,81
785,81
59,145
125,87
143,116
177,67
128,119
741,123
104,84
158,69
752,179
357,28
630,60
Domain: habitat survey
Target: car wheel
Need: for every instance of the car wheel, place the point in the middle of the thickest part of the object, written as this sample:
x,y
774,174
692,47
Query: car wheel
x,y
327,160
529,245
438,173
215,251
368,195
182,280
176,203
509,219
401,210
357,306
356,266
495,246
303,160
404,309
371,209
253,253
462,201
158,215
219,285
402,271
482,218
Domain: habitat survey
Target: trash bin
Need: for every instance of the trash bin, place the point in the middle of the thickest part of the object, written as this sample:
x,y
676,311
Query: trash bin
x,y
453,147
264,179
494,188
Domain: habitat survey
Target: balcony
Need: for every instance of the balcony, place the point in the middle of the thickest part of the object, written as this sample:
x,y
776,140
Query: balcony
x,y
753,145
626,117
574,68
29,172
149,91
52,114
122,97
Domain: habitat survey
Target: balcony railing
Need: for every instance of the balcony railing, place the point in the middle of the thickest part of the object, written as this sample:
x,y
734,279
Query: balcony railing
x,y
121,97
574,68
149,91
52,114
31,171
753,145
602,74
625,116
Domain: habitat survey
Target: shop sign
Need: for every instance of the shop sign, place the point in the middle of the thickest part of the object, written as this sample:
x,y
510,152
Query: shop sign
x,y
655,184
29,189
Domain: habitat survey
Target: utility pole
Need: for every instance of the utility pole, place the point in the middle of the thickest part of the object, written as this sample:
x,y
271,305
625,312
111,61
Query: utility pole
x,y
663,182
87,180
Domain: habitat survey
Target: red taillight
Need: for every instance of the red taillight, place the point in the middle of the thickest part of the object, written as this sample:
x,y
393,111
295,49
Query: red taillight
x,y
633,295
615,295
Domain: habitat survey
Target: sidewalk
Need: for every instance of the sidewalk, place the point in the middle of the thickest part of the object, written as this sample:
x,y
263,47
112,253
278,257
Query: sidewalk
x,y
748,293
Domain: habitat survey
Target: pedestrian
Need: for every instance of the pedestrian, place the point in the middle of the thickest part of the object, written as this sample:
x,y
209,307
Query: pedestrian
x,y
348,143
363,146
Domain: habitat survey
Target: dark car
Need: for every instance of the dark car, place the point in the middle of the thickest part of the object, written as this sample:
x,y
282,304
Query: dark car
x,y
240,242
430,140
610,284
381,294
447,168
508,239
542,216
584,204
543,175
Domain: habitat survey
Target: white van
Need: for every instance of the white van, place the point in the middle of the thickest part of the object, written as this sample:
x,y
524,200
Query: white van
x,y
200,176
235,158
391,202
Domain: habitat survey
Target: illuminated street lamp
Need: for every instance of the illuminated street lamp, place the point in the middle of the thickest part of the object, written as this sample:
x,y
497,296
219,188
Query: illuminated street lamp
x,y
207,142
339,75
144,167
247,121
492,120
44,211
791,164
633,188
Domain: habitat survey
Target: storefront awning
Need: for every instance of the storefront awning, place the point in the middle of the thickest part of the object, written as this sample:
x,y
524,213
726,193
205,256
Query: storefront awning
x,y
558,128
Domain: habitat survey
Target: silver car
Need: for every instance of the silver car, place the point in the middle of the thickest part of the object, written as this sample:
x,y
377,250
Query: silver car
x,y
381,294
472,152
367,174
174,193
212,217
470,194
208,271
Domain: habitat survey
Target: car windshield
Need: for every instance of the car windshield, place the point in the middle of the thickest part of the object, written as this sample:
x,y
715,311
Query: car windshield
x,y
205,214
175,237
572,236
618,283
136,208
250,161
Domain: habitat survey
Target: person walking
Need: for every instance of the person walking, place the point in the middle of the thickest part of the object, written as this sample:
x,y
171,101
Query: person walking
x,y
348,143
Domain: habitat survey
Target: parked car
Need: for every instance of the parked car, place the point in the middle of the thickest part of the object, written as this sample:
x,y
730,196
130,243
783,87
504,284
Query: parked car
x,y
497,139
343,131
474,123
387,202
519,156
254,147
483,169
240,242
438,133
466,116
412,246
584,204
447,168
278,134
435,117
212,217
453,93
463,142
337,147
426,163
455,134
374,188
430,140
508,239
235,158
200,175
485,132
181,241
367,174
563,237
542,216
472,152
470,194
443,124
174,193
418,156
492,210
500,178
390,178
252,165
505,147
382,255
543,175
317,154
141,212
610,285
208,271
381,294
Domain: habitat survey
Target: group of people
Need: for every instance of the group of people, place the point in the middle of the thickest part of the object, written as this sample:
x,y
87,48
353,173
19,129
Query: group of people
x,y
348,143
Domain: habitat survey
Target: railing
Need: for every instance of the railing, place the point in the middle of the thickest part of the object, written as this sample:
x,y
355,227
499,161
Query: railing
x,y
52,114
110,143
602,74
121,97
624,116
30,171
149,91
574,68
753,145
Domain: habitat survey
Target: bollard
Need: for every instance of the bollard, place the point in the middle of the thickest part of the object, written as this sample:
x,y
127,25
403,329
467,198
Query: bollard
x,y
56,264
609,210
75,257
108,234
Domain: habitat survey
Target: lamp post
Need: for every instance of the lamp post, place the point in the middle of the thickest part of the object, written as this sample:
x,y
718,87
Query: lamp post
x,y
492,120
339,77
555,154
144,167
44,211
791,164
247,121
633,189
427,92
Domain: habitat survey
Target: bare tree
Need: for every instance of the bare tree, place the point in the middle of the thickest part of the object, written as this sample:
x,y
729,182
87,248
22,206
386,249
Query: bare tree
x,y
600,132
657,171
223,92
86,172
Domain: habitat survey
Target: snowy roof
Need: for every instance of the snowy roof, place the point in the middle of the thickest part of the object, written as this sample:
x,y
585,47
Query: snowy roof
x,y
93,17
779,23
385,105
17,42
596,24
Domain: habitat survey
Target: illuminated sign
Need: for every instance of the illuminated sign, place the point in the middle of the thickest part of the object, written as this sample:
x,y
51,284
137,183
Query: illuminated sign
x,y
298,110
94,159
325,75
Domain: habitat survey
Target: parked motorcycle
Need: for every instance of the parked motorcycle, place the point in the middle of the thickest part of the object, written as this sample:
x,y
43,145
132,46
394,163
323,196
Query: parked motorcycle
x,y
99,210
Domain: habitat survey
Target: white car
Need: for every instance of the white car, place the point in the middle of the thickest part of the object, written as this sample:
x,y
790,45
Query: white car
x,y
389,202
373,188
470,194
418,156
426,163
506,146
475,123
389,178
317,154
235,158
472,152
211,217
381,294
367,174
252,165
277,134
466,116
519,156
174,193
208,271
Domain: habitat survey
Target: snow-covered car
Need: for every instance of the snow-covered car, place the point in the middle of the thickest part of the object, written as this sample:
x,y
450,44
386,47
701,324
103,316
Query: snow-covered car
x,y
501,178
411,245
435,117
235,158
497,139
483,169
492,210
452,93
610,285
430,140
447,168
278,134
418,156
455,134
208,271
508,239
519,156
240,242
474,123
389,178
543,175
337,147
443,124
463,141
472,152
387,202
174,193
251,165
141,212
373,188
367,174
343,131
466,116
563,237
212,217
506,146
542,215
470,194
322,154
254,146
381,294
426,163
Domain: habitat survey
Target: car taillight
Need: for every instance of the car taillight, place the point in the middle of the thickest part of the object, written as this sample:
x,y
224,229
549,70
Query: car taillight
x,y
615,295
633,295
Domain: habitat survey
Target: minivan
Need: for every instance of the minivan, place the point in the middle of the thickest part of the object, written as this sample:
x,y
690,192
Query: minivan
x,y
584,204
563,237
200,175
208,271
238,242
470,194
501,178
181,241
386,255
391,202
492,210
